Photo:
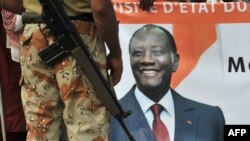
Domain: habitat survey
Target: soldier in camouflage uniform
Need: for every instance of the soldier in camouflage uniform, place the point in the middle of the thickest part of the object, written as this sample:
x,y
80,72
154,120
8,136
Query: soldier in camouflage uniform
x,y
62,96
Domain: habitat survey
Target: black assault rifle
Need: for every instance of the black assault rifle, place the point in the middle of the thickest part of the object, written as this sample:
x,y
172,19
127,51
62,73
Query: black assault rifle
x,y
69,42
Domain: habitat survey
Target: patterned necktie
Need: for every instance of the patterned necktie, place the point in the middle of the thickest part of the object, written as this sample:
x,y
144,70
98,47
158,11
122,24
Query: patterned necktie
x,y
159,129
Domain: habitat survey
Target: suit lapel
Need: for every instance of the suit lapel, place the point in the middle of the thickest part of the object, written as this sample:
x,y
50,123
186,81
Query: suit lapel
x,y
186,122
137,122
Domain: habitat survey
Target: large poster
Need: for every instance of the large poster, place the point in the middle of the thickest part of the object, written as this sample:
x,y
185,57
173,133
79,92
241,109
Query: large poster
x,y
213,40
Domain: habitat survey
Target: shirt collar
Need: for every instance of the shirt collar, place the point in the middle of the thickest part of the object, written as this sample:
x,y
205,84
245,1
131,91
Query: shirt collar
x,y
145,103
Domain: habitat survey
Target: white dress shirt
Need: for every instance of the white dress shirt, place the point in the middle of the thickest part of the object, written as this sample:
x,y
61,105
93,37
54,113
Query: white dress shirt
x,y
167,115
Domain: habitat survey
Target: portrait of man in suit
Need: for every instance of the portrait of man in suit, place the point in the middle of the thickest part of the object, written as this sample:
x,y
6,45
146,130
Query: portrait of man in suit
x,y
158,112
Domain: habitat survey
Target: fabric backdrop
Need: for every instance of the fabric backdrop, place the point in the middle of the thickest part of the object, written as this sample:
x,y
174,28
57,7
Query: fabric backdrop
x,y
213,40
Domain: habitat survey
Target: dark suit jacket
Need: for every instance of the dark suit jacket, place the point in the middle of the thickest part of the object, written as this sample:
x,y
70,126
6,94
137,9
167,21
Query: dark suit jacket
x,y
193,121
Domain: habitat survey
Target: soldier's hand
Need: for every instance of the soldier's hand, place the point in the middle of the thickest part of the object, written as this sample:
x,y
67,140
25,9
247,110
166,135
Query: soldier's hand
x,y
145,5
114,65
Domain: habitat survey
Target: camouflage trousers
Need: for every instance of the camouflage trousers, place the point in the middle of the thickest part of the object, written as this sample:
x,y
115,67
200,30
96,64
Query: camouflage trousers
x,y
62,96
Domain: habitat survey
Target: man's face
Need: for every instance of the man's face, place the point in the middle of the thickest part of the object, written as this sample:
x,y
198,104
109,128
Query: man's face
x,y
152,60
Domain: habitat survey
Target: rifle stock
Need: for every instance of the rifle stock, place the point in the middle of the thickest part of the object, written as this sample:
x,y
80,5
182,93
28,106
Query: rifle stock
x,y
69,42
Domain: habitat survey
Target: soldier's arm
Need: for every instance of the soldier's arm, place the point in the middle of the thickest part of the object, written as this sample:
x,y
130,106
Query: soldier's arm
x,y
106,23
145,5
15,6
